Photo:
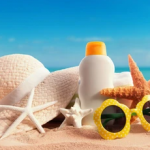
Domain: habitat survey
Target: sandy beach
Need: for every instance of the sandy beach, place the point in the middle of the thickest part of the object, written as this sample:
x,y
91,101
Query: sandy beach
x,y
70,138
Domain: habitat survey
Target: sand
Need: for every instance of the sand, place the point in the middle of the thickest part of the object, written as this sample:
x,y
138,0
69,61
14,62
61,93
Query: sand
x,y
70,138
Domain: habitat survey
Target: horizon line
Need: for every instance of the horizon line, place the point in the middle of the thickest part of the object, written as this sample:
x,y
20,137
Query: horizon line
x,y
77,66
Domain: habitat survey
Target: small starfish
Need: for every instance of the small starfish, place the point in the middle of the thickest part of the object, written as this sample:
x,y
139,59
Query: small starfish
x,y
27,111
74,115
141,86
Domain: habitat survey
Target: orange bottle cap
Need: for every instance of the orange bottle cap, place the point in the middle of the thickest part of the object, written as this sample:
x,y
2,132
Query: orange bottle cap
x,y
95,48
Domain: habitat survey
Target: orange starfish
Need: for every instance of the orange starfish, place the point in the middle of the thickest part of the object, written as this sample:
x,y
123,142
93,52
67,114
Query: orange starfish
x,y
141,86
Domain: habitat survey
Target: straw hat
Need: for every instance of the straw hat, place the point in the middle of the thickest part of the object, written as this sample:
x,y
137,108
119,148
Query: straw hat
x,y
18,75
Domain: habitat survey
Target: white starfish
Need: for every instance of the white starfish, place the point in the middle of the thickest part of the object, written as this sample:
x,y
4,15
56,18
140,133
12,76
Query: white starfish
x,y
27,111
74,115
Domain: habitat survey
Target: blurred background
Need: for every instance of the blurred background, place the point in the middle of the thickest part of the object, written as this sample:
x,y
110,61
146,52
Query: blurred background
x,y
56,31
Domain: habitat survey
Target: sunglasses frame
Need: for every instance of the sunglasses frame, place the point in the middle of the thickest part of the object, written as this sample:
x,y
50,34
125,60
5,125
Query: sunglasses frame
x,y
124,132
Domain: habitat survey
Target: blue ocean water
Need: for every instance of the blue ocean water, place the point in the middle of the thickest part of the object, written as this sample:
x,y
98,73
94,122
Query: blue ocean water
x,y
144,70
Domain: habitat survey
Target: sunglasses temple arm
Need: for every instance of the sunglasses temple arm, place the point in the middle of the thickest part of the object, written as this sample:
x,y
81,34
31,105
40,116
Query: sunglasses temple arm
x,y
146,111
119,115
104,116
106,121
113,116
133,114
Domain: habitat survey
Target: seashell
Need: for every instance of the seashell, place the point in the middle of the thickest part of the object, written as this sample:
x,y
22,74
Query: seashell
x,y
60,85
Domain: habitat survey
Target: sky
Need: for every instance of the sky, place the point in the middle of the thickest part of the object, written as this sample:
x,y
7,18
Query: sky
x,y
56,31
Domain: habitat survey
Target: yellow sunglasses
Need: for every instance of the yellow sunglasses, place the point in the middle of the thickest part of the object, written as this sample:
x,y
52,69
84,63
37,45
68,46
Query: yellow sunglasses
x,y
113,119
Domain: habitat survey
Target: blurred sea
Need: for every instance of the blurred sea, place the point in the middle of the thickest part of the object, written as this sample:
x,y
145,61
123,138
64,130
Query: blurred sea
x,y
144,70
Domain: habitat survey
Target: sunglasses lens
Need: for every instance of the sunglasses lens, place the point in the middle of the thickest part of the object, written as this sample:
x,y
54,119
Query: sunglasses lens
x,y
113,119
146,111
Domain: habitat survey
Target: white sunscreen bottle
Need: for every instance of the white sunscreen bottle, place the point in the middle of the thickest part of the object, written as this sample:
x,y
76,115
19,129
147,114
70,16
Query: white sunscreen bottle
x,y
96,71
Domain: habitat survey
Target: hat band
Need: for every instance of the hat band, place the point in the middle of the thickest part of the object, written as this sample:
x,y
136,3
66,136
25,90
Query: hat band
x,y
25,87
